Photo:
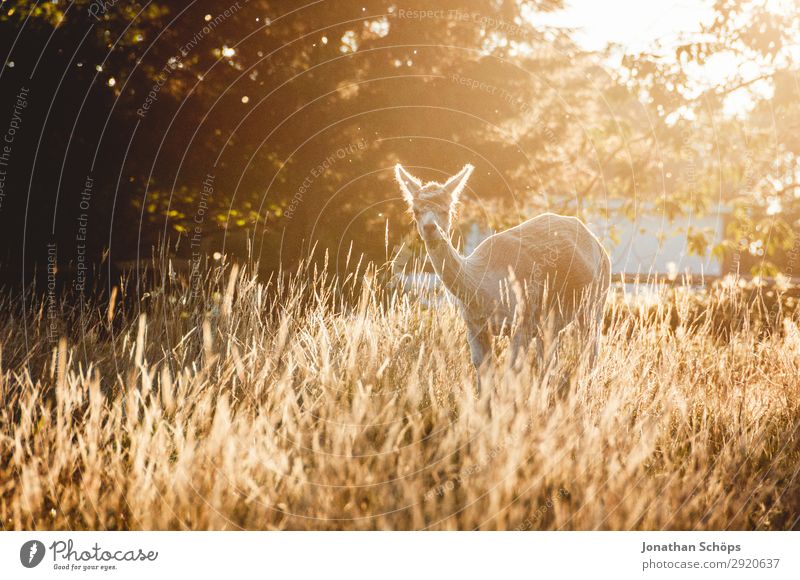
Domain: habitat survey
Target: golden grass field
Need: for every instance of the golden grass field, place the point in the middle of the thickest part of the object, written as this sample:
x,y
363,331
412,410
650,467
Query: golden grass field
x,y
328,403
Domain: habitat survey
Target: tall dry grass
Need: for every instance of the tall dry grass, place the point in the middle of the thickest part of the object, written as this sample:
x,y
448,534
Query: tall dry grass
x,y
314,402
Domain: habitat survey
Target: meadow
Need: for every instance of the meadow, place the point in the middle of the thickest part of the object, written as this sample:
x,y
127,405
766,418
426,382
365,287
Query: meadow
x,y
313,400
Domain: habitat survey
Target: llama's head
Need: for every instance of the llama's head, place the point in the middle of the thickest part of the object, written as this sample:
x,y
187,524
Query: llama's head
x,y
433,204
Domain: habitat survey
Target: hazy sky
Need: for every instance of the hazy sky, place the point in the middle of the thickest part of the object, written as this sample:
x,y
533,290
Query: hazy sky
x,y
632,23
637,24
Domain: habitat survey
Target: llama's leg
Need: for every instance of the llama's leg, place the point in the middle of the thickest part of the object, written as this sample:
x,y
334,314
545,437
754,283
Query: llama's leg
x,y
552,359
519,344
550,332
548,353
538,346
591,332
545,350
597,334
551,368
480,342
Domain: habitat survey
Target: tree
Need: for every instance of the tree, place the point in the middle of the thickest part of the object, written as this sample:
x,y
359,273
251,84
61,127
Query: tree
x,y
283,121
739,131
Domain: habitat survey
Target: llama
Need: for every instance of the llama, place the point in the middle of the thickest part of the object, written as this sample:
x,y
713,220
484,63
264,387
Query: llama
x,y
535,278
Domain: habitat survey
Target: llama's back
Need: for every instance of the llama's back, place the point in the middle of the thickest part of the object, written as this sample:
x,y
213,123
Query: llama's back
x,y
550,249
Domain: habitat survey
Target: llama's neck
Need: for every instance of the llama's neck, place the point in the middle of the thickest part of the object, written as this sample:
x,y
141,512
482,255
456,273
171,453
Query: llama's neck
x,y
449,265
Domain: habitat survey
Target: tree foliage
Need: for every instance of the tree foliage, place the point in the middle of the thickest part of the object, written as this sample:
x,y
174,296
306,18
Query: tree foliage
x,y
281,120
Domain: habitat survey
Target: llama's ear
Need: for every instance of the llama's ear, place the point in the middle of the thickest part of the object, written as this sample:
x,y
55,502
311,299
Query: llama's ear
x,y
409,184
455,185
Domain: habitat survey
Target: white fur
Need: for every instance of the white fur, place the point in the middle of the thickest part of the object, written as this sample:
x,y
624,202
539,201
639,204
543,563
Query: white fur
x,y
539,276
